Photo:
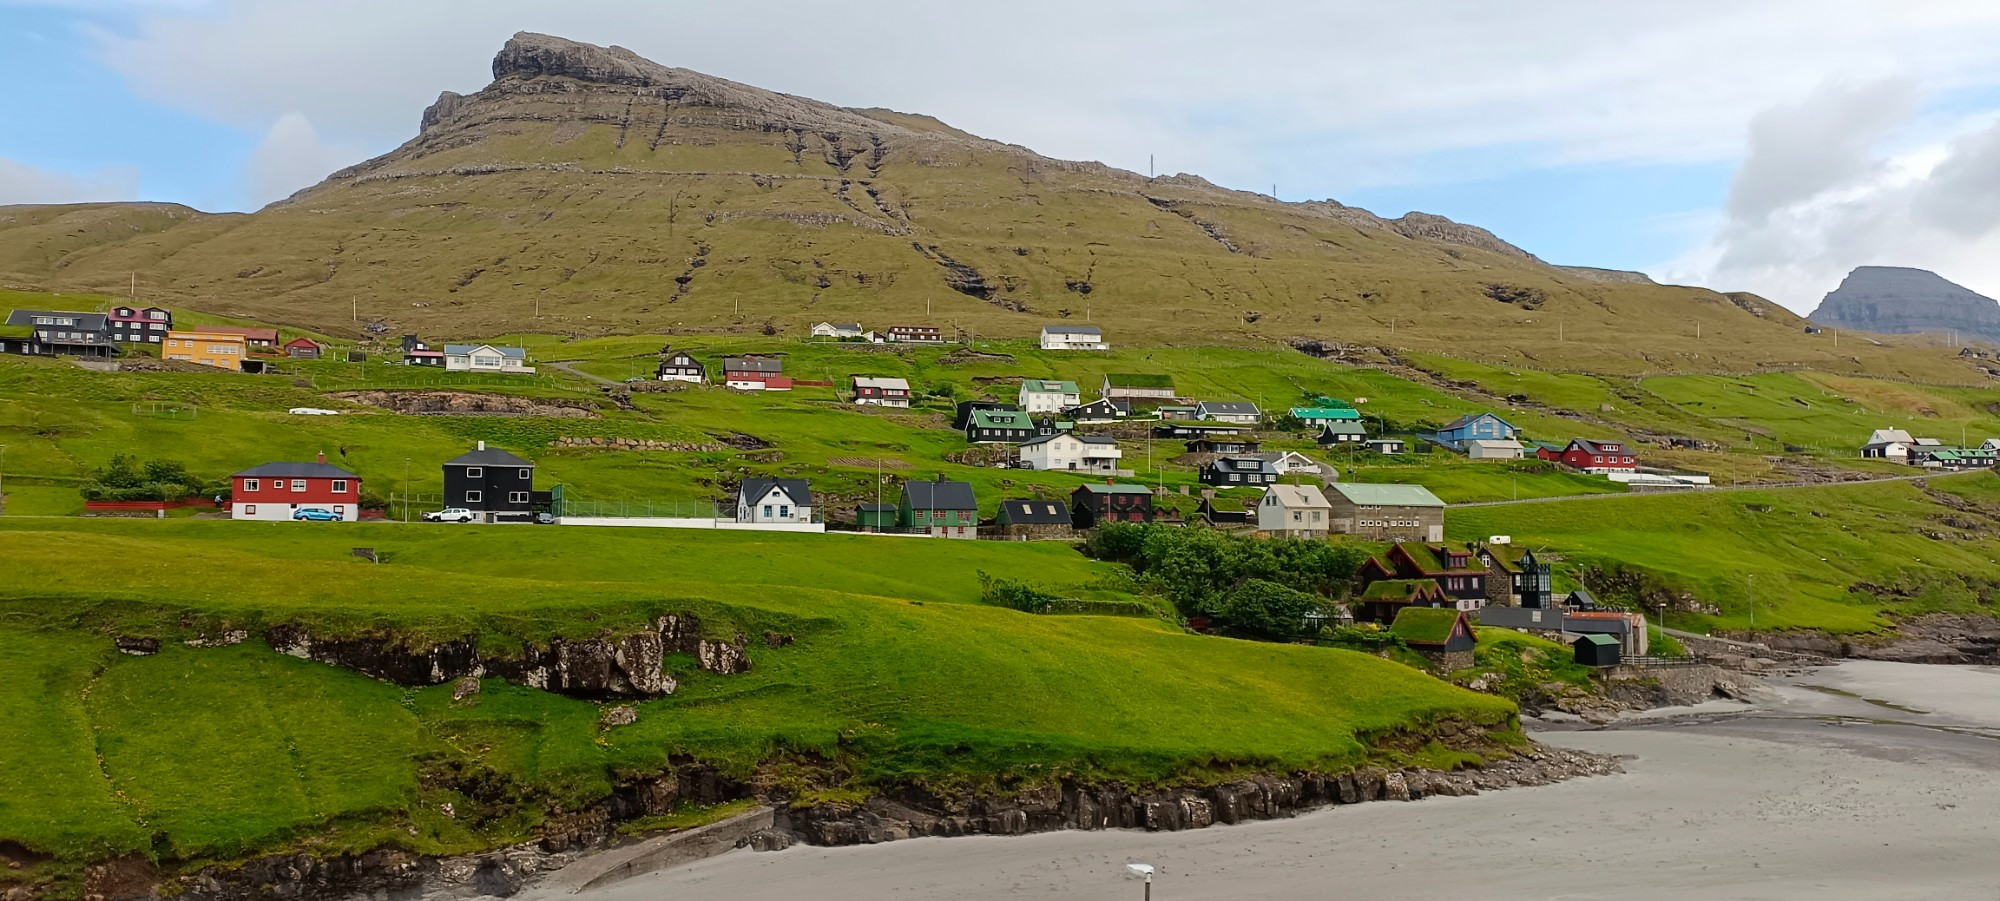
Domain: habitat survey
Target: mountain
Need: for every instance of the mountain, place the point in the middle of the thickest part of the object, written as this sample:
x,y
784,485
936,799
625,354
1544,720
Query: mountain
x,y
1896,300
589,191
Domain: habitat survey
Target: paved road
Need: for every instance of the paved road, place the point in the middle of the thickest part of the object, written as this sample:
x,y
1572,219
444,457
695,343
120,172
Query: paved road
x,y
1760,487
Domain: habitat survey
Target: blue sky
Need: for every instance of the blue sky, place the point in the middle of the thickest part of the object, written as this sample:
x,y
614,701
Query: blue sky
x,y
1767,146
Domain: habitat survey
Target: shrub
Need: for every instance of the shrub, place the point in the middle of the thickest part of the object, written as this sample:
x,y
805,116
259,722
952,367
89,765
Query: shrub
x,y
1269,610
1015,595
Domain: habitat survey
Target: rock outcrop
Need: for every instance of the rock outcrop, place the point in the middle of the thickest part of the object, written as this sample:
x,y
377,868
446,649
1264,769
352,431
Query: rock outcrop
x,y
1895,300
468,403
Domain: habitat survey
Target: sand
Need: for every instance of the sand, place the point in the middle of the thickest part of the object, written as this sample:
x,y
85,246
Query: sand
x,y
1808,794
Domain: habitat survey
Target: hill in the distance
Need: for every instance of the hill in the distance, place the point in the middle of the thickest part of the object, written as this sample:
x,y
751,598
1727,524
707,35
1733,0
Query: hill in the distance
x,y
589,191
1897,300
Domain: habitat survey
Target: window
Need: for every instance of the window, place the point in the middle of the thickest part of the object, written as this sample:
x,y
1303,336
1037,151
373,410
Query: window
x,y
784,512
1297,516
474,472
249,509
767,509
339,486
527,473
298,484
340,511
517,497
473,497
249,485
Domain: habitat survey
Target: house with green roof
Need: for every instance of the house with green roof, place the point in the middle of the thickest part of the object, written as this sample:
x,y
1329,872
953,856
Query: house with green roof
x,y
1317,416
1386,512
999,426
1049,395
1138,386
1455,569
1444,637
1381,600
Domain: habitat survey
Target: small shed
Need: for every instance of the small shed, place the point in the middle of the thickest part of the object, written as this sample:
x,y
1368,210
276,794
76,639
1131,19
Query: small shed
x,y
875,516
1597,650
1442,636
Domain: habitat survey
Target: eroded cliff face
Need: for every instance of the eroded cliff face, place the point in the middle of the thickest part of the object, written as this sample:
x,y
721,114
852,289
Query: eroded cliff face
x,y
1896,300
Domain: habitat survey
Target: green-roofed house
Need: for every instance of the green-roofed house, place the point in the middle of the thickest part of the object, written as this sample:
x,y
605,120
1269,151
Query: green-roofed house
x,y
1138,386
999,427
1444,637
1384,598
1049,395
1316,416
1386,512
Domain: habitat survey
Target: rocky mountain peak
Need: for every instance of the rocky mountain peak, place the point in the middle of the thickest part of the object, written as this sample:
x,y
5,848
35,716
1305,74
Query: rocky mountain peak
x,y
1431,227
530,55
1900,300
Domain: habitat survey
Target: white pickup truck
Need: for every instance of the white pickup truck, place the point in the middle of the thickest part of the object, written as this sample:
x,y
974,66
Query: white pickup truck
x,y
451,514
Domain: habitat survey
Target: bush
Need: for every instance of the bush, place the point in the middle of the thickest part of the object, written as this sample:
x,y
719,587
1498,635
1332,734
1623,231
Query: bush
x,y
1196,568
124,478
1269,610
1015,595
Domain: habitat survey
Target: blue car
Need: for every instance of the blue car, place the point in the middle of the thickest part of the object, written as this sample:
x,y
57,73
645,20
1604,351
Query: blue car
x,y
312,514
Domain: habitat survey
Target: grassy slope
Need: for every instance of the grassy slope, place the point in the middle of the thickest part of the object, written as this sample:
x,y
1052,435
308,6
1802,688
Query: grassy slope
x,y
892,672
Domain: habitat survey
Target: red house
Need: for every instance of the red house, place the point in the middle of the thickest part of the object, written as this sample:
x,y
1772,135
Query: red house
x,y
302,349
1091,504
755,373
287,491
1593,456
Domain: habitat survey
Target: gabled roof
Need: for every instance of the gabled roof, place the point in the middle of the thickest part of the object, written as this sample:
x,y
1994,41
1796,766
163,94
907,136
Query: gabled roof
x,y
885,384
1227,408
1334,413
1049,386
1387,495
840,326
1343,427
1589,446
1890,436
491,456
1123,407
932,495
1425,625
1071,330
1302,496
1001,419
1494,443
1086,439
87,321
295,471
1034,512
753,364
1401,590
1112,488
1598,640
460,350
1139,380
1244,464
302,341
798,490
1471,418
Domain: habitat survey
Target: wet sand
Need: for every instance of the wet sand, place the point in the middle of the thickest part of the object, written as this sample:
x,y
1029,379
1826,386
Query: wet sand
x,y
1814,793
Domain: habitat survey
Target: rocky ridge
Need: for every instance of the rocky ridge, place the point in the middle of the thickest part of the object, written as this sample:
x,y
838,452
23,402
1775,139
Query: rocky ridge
x,y
1898,300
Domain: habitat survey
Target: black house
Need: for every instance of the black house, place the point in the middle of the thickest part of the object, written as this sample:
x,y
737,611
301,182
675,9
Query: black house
x,y
491,482
51,332
962,416
679,366
1238,472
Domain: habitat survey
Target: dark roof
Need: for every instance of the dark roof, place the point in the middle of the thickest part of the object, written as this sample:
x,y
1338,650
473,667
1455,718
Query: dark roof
x,y
878,508
1470,418
1122,406
753,364
1600,447
929,495
1114,488
1244,464
799,490
1594,626
1229,407
93,322
1034,513
488,456
296,471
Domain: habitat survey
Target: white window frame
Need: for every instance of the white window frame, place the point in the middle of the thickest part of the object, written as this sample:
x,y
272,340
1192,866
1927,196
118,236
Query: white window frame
x,y
250,485
475,472
527,472
339,486
517,497
475,497
298,485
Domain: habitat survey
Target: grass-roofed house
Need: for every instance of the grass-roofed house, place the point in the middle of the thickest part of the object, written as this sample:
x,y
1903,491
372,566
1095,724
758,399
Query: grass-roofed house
x,y
1380,601
1138,386
1444,637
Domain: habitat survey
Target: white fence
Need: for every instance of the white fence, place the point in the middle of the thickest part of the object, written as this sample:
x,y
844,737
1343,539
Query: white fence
x,y
670,522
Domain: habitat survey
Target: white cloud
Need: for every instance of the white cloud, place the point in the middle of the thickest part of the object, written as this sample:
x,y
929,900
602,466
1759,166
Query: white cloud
x,y
292,157
21,183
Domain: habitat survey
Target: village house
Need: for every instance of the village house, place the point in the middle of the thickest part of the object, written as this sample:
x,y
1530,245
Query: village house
x,y
1094,504
1224,443
1341,432
999,427
1325,410
303,348
1099,411
1494,449
259,339
680,366
784,501
1952,458
486,358
1176,412
1386,446
139,325
1515,577
1026,520
51,333
915,334
1386,512
1237,412
871,391
417,353
1289,462
1137,386
1191,430
1239,472
1068,451
942,508
961,417
1049,395
222,350
1598,457
1476,427
1294,511
754,373
1223,510
1381,600
1073,337
1444,637
492,483
1889,444
280,492
837,330
1454,569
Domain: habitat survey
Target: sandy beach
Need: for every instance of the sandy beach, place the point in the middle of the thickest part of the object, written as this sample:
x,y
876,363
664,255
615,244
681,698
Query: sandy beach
x,y
1861,781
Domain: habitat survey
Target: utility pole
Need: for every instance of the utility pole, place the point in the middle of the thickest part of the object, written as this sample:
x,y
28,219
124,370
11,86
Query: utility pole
x,y
1751,591
1149,165
406,489
135,287
878,488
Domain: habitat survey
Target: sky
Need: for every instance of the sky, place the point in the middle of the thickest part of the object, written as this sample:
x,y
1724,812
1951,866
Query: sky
x,y
1768,146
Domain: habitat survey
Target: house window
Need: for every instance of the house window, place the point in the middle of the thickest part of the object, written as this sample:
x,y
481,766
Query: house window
x,y
339,486
298,484
527,473
474,472
249,485
517,497
473,497
249,509
340,511
784,512
767,509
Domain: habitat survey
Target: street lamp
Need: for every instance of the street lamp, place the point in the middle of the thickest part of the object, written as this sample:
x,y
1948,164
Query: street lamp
x,y
1146,870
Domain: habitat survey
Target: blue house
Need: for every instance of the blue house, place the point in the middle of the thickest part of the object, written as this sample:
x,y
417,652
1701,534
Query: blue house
x,y
1476,427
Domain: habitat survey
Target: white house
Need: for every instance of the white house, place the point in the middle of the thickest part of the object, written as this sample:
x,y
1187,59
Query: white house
x,y
774,501
1072,452
881,392
1046,396
1073,337
1239,412
486,358
1889,444
1288,462
1295,511
1494,449
836,330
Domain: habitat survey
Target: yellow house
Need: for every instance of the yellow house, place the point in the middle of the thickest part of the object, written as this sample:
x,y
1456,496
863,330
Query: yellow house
x,y
221,350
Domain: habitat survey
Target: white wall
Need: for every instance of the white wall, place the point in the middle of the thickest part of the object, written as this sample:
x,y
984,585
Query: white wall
x,y
283,512
673,523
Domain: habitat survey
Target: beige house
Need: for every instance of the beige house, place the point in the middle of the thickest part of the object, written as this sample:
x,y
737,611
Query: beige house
x,y
1295,511
1387,512
1494,449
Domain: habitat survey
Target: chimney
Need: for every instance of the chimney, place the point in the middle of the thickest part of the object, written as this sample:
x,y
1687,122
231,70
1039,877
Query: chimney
x,y
482,445
322,456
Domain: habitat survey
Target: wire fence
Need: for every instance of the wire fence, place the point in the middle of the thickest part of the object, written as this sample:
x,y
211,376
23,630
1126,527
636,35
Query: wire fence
x,y
621,508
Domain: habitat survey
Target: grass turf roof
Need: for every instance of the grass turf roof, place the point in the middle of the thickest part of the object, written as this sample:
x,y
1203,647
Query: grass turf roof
x,y
1140,380
1398,589
1424,625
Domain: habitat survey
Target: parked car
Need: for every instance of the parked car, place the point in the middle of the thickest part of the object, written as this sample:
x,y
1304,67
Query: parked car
x,y
314,514
451,514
